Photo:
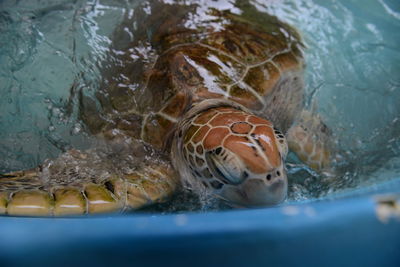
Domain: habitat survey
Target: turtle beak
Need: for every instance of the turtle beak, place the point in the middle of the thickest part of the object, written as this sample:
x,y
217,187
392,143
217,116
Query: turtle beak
x,y
258,192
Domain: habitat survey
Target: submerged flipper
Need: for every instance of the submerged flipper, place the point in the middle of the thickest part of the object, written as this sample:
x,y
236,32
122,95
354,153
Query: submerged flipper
x,y
312,141
87,182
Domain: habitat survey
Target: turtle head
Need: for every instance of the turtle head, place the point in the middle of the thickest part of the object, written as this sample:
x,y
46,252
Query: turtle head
x,y
233,153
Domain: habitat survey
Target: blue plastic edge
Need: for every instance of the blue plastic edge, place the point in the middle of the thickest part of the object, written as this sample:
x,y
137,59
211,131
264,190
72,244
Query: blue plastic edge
x,y
344,232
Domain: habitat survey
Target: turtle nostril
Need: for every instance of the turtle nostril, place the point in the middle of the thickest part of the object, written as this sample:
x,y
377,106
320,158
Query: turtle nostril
x,y
269,177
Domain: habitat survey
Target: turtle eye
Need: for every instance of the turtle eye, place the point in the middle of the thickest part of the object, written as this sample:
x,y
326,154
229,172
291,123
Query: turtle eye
x,y
226,166
281,142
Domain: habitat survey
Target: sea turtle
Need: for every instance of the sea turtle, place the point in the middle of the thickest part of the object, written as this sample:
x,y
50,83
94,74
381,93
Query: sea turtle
x,y
219,92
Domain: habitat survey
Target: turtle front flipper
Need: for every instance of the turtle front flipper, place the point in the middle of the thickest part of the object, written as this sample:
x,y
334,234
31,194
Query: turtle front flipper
x,y
65,187
312,141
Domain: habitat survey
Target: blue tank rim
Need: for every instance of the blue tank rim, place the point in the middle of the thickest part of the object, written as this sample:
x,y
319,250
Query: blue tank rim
x,y
343,230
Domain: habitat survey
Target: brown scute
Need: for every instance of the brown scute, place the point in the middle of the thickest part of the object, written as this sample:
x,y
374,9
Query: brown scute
x,y
147,184
205,93
100,200
255,48
200,133
189,133
258,120
130,124
185,70
263,78
136,198
120,98
297,50
176,105
266,138
214,137
158,91
118,187
152,189
230,46
132,177
286,61
240,41
241,128
157,129
182,71
227,42
259,44
205,116
30,203
227,109
226,119
245,97
244,41
168,20
69,201
176,38
211,61
166,189
247,152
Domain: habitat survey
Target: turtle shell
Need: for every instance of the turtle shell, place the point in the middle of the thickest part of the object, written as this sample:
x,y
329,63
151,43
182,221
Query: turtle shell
x,y
168,57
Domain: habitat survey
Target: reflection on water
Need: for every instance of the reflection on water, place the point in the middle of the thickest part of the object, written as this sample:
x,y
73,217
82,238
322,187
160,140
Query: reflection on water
x,y
52,50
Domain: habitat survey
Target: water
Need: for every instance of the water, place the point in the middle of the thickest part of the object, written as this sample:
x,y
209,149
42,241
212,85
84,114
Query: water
x,y
51,50
353,77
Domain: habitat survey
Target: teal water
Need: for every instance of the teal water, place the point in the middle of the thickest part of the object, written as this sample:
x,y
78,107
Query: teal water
x,y
50,50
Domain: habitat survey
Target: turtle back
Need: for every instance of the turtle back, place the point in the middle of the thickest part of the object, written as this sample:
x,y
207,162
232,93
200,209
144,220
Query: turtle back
x,y
182,54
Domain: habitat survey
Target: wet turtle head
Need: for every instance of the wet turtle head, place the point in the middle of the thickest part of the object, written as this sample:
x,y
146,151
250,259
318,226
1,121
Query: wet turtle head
x,y
234,154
